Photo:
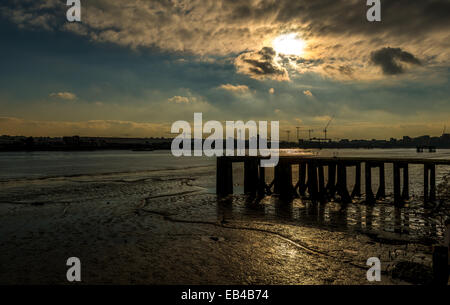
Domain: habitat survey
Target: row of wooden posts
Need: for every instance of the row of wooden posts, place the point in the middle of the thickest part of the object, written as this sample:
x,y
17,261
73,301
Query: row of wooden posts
x,y
311,179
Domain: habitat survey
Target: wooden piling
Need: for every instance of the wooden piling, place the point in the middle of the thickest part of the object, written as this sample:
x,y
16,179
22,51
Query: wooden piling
x,y
357,188
251,176
405,192
322,190
302,179
331,184
224,177
262,181
277,179
432,182
440,265
342,183
425,182
286,190
312,181
397,196
370,199
381,193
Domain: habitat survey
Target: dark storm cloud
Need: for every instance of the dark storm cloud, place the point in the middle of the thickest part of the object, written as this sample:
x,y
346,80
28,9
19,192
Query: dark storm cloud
x,y
261,65
390,60
399,17
403,17
264,64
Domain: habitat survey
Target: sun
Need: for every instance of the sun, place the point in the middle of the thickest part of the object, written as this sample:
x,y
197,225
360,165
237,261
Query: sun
x,y
289,44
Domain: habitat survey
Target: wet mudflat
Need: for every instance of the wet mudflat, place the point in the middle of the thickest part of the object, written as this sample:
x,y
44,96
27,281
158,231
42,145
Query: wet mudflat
x,y
168,227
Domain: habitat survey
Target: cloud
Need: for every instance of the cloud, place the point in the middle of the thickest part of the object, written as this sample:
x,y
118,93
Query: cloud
x,y
391,59
64,96
214,26
96,128
308,93
180,99
261,65
323,118
337,35
235,88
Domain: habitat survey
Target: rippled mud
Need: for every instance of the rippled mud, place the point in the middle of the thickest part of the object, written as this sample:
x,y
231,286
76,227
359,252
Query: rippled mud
x,y
168,227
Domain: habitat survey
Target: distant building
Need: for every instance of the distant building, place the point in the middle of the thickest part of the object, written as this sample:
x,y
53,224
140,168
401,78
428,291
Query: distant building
x,y
445,137
72,141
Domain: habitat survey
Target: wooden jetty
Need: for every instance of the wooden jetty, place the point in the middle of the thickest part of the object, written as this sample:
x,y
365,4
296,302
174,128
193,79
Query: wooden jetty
x,y
312,179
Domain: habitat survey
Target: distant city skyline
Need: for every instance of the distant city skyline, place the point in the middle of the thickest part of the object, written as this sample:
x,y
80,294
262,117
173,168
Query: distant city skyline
x,y
132,68
445,136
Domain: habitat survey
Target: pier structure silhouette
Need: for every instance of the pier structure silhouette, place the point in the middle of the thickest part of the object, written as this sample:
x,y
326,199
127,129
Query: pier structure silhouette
x,y
311,177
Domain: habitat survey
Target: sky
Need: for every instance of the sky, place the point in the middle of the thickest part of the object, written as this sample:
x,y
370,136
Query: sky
x,y
132,68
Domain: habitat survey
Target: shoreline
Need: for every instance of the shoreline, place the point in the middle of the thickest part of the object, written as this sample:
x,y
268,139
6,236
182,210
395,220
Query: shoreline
x,y
167,148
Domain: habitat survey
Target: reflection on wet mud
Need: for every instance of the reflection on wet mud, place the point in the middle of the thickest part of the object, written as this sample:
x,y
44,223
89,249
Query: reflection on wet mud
x,y
409,223
412,221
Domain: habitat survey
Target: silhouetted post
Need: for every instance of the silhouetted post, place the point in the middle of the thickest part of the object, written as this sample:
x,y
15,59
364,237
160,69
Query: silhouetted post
x,y
251,176
331,185
262,181
382,187
397,196
277,178
312,180
224,177
368,177
342,183
286,190
405,193
357,189
321,182
440,265
432,182
425,182
302,179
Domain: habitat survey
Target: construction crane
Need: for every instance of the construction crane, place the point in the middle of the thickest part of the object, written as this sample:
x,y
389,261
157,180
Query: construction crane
x,y
300,129
325,130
